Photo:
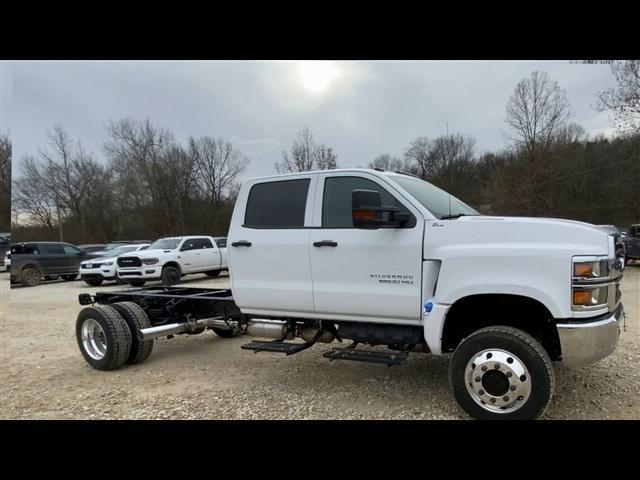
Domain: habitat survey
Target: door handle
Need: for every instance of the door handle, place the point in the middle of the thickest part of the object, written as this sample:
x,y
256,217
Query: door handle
x,y
325,243
241,243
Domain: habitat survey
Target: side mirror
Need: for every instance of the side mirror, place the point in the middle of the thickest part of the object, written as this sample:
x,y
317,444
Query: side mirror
x,y
367,211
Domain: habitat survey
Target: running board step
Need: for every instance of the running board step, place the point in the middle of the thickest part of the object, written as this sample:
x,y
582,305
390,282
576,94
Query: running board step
x,y
277,347
366,356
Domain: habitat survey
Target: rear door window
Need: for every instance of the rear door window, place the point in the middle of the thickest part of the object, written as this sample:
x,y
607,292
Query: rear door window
x,y
201,243
277,204
25,249
53,249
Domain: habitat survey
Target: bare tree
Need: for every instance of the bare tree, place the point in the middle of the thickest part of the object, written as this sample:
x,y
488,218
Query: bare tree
x,y
536,110
5,182
387,162
623,99
69,174
440,157
154,173
218,164
306,155
32,197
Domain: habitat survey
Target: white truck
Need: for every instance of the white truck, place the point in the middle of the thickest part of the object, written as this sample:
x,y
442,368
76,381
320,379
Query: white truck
x,y
104,268
387,260
169,259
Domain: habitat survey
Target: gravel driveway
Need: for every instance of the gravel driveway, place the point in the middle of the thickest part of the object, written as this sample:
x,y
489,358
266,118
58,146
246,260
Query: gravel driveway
x,y
43,375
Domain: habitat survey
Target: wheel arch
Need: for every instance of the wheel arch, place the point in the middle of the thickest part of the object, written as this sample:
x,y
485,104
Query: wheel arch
x,y
473,312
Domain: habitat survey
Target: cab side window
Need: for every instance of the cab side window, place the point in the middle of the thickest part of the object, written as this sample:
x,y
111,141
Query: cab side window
x,y
277,204
336,204
201,243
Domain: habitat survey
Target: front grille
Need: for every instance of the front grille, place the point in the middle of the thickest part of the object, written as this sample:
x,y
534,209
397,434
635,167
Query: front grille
x,y
129,262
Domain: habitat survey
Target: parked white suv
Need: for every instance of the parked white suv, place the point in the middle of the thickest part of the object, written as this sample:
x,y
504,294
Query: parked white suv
x,y
168,259
96,270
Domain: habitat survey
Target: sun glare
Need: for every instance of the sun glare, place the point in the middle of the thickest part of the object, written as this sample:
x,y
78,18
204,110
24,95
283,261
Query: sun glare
x,y
316,76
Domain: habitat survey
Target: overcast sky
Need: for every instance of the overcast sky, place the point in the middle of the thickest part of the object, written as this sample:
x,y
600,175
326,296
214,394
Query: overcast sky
x,y
361,109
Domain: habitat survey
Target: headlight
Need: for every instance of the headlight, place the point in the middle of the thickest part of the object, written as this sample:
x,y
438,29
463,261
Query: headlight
x,y
150,261
590,297
591,270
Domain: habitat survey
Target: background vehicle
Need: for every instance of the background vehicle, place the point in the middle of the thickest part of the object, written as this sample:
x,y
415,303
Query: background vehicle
x,y
92,247
5,262
31,261
96,270
632,242
168,259
387,260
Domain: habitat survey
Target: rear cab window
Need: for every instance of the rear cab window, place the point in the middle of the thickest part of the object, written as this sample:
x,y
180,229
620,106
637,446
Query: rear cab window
x,y
279,204
25,249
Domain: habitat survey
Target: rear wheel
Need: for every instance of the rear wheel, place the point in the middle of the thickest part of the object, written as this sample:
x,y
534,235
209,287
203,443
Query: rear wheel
x,y
170,276
69,278
502,373
137,283
136,319
94,282
103,337
31,277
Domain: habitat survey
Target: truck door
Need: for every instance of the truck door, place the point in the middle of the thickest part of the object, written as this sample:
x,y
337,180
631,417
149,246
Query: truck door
x,y
268,247
364,274
198,254
222,245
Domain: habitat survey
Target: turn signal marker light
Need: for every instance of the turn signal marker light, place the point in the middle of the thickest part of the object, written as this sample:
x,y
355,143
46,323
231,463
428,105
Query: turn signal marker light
x,y
582,297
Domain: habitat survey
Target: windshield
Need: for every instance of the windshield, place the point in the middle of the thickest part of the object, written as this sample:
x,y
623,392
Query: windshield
x,y
121,249
165,244
434,199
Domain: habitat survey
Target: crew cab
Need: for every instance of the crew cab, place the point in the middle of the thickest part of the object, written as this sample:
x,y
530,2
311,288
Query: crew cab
x,y
97,270
388,260
168,259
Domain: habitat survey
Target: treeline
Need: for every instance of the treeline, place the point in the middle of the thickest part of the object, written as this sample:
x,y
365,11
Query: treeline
x,y
149,186
593,180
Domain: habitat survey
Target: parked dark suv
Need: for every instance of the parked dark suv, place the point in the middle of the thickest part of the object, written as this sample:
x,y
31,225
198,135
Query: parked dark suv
x,y
33,260
632,242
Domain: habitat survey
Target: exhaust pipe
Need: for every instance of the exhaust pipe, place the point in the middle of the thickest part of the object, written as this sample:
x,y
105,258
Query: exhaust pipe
x,y
150,333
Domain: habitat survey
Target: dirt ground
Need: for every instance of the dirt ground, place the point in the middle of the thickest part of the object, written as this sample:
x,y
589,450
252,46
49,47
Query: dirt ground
x,y
43,375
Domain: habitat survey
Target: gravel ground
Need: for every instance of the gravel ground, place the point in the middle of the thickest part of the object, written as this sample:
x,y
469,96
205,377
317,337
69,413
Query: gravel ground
x,y
43,375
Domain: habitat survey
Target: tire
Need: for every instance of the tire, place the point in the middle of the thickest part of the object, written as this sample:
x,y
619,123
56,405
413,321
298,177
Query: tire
x,y
51,277
137,283
521,388
213,273
227,333
94,282
120,281
136,319
31,277
170,276
69,278
111,334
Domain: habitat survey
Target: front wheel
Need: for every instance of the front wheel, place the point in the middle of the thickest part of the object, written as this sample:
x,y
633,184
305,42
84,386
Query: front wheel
x,y
170,276
502,373
94,282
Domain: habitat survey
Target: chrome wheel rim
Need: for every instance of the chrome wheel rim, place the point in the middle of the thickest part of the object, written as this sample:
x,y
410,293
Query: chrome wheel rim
x,y
498,381
94,340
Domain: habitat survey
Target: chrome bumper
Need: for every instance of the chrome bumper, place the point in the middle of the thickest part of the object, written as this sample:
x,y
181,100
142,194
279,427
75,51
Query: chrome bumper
x,y
583,343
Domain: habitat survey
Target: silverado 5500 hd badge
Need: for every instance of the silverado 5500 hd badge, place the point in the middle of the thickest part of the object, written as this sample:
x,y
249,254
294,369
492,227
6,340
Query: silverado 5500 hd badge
x,y
392,278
